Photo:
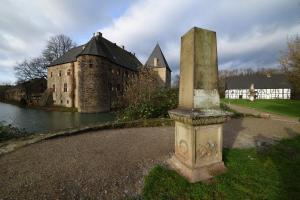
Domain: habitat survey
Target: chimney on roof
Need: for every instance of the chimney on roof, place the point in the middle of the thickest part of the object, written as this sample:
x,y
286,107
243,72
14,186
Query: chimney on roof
x,y
123,47
97,34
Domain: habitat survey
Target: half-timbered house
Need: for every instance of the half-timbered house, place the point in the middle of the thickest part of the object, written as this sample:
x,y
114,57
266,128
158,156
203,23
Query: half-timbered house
x,y
266,86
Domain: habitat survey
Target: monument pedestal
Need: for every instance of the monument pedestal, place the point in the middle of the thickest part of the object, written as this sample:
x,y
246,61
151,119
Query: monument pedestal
x,y
198,143
198,118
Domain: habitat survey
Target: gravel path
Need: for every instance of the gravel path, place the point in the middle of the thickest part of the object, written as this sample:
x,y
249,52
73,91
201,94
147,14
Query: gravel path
x,y
110,164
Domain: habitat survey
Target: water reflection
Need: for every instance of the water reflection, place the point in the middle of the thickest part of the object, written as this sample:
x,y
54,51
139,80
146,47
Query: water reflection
x,y
34,120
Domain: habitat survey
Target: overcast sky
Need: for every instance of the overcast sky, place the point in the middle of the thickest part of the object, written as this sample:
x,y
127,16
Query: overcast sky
x,y
250,33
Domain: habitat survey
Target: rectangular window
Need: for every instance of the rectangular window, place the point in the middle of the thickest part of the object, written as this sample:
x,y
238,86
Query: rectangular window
x,y
59,74
155,62
51,74
69,72
65,87
53,87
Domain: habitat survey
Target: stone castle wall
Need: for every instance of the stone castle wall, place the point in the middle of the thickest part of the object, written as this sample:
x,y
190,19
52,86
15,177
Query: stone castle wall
x,y
28,92
99,83
164,74
61,80
93,84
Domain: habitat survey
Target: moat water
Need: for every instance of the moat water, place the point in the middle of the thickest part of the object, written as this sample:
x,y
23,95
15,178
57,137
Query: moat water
x,y
36,121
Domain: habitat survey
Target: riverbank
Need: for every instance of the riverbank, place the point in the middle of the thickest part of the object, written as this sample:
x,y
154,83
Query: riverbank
x,y
45,108
38,120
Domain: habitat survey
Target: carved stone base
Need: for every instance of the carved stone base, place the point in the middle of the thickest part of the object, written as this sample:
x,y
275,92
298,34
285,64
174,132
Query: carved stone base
x,y
198,143
194,175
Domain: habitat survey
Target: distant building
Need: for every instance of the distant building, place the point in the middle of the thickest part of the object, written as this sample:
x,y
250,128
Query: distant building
x,y
265,86
89,77
27,93
158,63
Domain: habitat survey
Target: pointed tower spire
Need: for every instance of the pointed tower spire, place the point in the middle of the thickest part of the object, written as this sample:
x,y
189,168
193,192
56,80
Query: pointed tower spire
x,y
157,58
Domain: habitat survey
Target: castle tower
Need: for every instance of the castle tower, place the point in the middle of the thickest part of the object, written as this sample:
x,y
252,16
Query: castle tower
x,y
158,63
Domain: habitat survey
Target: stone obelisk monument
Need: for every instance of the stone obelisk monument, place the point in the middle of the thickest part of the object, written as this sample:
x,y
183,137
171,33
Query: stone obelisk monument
x,y
198,118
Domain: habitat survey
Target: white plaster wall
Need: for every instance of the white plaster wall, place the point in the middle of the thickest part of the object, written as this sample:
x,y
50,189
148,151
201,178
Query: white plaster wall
x,y
280,93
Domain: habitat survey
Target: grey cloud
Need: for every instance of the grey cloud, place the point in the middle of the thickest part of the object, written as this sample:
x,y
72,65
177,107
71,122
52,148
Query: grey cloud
x,y
249,32
26,25
246,25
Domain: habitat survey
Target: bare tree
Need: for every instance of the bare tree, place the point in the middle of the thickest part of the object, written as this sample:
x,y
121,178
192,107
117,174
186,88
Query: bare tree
x,y
37,67
140,87
31,69
57,46
290,62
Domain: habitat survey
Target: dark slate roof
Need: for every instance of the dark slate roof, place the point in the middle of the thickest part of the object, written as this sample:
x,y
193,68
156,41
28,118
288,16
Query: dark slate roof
x,y
99,46
157,53
69,56
260,81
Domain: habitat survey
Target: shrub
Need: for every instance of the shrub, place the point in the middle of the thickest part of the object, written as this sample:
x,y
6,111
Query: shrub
x,y
156,106
9,132
139,88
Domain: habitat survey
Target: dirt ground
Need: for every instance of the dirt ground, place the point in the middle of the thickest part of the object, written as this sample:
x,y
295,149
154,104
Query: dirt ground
x,y
111,164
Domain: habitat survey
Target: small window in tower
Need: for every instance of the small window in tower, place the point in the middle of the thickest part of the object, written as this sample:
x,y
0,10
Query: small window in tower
x,y
155,62
53,87
65,87
51,74
112,71
67,101
69,72
91,65
59,74
61,101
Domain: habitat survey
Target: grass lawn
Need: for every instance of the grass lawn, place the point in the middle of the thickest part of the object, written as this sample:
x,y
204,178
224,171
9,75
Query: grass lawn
x,y
271,173
278,106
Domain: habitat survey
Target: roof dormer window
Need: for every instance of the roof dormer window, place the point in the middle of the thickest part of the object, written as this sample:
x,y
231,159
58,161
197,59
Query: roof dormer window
x,y
155,62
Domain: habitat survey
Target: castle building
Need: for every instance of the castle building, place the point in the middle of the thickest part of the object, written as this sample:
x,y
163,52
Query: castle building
x,y
269,86
89,77
158,63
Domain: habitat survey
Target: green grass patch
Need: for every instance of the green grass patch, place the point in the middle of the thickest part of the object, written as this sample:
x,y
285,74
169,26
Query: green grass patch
x,y
271,173
277,106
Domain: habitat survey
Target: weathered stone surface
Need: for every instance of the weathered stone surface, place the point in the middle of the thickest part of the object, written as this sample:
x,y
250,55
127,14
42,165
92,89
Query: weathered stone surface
x,y
198,119
93,83
198,70
198,149
164,74
57,77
